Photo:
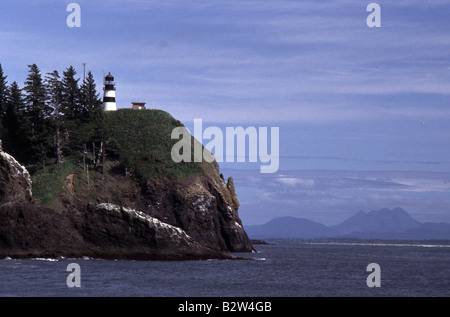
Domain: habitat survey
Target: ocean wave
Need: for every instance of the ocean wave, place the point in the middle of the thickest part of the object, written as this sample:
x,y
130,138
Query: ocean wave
x,y
46,259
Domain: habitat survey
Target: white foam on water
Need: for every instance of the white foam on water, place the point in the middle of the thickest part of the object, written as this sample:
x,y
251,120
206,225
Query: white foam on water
x,y
385,244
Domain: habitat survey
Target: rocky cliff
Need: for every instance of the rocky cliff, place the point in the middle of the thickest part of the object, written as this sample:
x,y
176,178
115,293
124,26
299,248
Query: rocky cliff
x,y
15,181
204,206
123,212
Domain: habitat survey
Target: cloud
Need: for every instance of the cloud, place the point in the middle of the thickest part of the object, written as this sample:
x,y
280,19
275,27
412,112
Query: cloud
x,y
425,184
332,196
291,181
240,60
306,63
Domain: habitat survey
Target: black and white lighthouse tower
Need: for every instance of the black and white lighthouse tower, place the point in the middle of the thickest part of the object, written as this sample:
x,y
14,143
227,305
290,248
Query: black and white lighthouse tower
x,y
109,94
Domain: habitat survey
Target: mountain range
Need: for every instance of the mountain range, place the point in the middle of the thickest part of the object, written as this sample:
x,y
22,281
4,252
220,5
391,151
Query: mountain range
x,y
377,224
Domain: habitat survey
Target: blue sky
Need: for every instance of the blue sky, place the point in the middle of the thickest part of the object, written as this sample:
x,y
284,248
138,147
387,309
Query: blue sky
x,y
353,103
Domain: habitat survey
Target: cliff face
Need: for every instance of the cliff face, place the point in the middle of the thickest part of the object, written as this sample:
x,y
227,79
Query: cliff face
x,y
112,231
15,180
122,215
103,230
27,229
205,207
141,175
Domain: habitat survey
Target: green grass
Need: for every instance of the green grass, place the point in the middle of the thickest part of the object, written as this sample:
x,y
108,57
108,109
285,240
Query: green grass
x,y
141,139
49,182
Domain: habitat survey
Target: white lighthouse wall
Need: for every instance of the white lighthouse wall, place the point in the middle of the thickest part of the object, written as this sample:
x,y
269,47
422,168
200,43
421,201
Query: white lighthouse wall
x,y
109,106
110,93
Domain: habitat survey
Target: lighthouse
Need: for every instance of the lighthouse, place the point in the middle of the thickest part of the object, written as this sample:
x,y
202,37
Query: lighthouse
x,y
109,94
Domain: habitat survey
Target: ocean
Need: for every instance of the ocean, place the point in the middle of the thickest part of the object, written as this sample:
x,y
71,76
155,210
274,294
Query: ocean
x,y
276,270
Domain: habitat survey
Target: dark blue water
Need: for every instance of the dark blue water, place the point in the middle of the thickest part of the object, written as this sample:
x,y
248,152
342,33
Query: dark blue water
x,y
277,270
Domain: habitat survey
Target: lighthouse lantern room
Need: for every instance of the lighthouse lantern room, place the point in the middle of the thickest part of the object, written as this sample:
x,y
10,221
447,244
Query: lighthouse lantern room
x,y
109,94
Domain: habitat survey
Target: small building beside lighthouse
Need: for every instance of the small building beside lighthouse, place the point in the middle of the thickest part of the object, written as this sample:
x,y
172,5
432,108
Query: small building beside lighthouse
x,y
109,94
138,105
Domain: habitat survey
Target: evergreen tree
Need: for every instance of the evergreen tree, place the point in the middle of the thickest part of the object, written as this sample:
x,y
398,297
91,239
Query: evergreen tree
x,y
92,110
71,108
71,95
37,116
15,141
90,100
51,118
54,88
3,93
36,97
15,100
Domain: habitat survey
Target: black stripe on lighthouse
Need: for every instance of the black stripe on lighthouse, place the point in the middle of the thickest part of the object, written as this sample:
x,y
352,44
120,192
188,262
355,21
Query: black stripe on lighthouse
x,y
109,99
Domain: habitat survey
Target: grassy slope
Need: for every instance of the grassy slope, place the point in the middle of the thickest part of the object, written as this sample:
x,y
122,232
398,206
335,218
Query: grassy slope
x,y
137,140
47,183
141,140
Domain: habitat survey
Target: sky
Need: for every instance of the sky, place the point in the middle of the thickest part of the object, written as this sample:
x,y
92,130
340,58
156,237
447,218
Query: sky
x,y
363,113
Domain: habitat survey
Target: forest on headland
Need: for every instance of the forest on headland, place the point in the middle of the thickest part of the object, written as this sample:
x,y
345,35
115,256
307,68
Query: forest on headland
x,y
50,117
55,126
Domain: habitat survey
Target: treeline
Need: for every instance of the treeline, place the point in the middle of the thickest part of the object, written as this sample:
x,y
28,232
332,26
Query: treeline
x,y
51,117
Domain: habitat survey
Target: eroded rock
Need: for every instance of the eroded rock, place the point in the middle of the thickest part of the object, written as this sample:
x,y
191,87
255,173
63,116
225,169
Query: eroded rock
x,y
15,181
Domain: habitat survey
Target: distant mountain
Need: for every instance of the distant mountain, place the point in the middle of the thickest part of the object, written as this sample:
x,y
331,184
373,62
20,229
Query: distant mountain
x,y
428,230
290,228
378,224
378,221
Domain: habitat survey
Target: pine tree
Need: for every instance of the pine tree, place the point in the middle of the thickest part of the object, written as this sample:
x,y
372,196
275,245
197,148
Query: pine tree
x,y
90,100
54,88
15,100
71,94
37,116
36,98
71,108
3,93
15,141
92,110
